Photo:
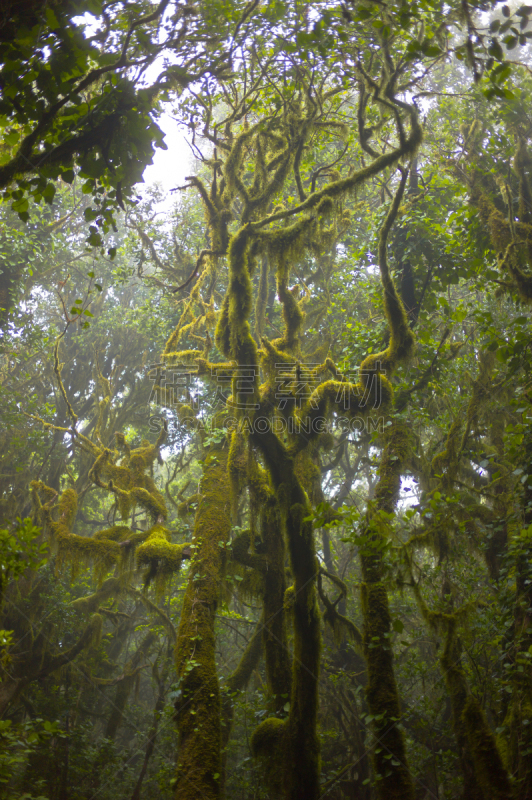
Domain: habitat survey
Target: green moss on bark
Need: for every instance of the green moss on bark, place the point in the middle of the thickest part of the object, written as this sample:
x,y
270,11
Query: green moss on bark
x,y
198,711
270,744
490,771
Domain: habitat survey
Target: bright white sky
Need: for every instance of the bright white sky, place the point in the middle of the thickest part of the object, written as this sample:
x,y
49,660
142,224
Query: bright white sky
x,y
170,167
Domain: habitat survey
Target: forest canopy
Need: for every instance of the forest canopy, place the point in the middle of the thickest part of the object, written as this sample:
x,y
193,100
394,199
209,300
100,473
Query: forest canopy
x,y
266,440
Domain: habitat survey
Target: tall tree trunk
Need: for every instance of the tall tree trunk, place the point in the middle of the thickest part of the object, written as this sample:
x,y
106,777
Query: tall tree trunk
x,y
198,711
294,743
389,757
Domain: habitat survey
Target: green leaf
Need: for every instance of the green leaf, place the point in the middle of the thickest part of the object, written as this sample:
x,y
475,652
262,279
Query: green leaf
x,y
94,239
495,50
68,176
11,138
51,18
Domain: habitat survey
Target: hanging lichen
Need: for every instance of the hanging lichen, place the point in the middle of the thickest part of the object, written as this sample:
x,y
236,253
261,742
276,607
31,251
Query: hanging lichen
x,y
160,557
277,146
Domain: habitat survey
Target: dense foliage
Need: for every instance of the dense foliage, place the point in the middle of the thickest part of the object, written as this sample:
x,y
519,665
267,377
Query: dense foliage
x,y
266,463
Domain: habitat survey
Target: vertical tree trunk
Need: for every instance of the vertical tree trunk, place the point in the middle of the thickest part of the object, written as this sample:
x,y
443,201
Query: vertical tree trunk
x,y
296,741
389,758
198,711
274,634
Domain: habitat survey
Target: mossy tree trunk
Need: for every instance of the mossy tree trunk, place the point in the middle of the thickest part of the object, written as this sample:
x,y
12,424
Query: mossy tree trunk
x,y
394,781
302,763
271,567
274,634
198,711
